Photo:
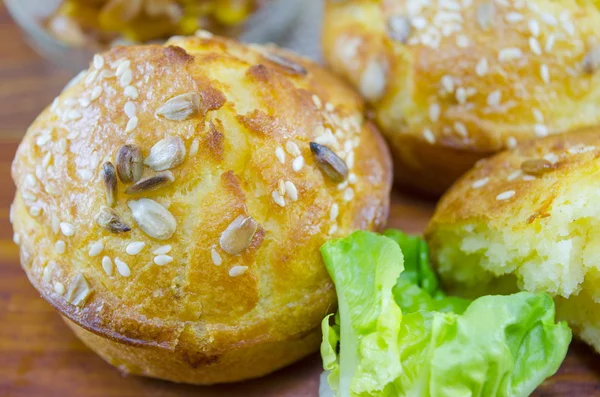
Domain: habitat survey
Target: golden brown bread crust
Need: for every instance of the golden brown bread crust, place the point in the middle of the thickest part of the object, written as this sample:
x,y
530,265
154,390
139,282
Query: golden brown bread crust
x,y
455,83
192,320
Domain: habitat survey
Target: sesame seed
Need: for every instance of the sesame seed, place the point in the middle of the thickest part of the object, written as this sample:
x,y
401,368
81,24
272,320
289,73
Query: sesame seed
x,y
461,95
237,271
462,41
104,74
480,183
107,265
545,73
122,268
511,142
60,247
280,154
549,19
39,169
350,160
216,258
534,27
317,101
68,102
43,139
342,186
514,175
540,130
67,229
131,92
28,196
329,107
352,179
98,61
96,91
509,54
132,124
96,249
534,44
126,78
539,116
418,22
528,178
291,190
59,288
47,273
89,79
434,112
481,68
348,194
162,250
334,211
203,34
494,98
281,187
135,248
551,157
54,105
51,190
30,180
333,229
514,17
35,210
298,163
194,147
123,66
448,83
550,42
292,148
129,109
16,238
85,174
428,135
505,195
460,129
278,198
84,102
62,145
74,114
55,224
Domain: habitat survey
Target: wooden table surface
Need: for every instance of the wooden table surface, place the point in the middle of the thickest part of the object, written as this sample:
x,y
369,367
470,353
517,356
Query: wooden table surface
x,y
39,356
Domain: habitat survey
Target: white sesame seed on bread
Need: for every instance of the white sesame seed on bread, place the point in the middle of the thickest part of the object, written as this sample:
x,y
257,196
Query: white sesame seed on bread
x,y
177,260
533,225
457,81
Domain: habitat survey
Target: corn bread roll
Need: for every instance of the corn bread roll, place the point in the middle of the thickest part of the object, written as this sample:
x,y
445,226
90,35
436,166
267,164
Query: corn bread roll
x,y
527,219
172,201
454,81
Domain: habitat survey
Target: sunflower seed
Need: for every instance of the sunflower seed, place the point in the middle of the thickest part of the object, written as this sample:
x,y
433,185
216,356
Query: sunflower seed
x,y
285,62
485,15
110,220
151,183
110,183
537,166
180,107
591,62
154,219
329,162
130,163
78,291
398,28
238,235
166,153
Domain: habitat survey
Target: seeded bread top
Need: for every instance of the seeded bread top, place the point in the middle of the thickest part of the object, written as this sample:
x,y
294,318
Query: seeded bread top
x,y
454,81
172,192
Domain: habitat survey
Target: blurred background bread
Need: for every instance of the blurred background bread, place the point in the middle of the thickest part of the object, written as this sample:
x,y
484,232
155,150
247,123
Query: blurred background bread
x,y
451,82
172,200
528,219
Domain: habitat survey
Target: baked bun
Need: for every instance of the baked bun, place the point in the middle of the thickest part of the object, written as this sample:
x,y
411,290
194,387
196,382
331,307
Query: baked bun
x,y
220,277
528,219
455,81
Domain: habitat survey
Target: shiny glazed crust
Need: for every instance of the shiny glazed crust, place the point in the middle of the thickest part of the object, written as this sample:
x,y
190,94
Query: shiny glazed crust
x,y
527,219
206,316
452,84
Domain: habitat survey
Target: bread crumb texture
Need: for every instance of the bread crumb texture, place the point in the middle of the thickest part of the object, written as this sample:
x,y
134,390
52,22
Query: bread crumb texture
x,y
528,219
170,207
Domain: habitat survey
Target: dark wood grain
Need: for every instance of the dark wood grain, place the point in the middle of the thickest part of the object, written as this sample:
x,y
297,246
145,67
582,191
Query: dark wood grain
x,y
39,356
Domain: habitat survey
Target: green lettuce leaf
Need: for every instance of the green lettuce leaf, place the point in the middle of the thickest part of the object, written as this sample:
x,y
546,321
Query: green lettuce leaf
x,y
501,346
